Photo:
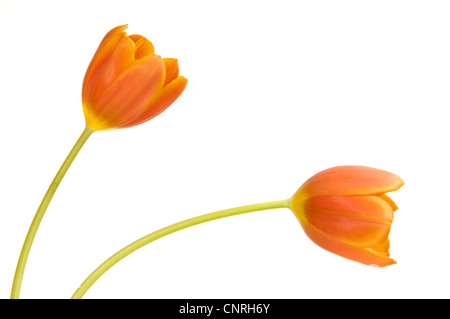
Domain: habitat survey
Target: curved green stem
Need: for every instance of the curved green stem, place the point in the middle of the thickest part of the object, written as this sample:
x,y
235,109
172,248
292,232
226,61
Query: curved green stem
x,y
169,230
17,282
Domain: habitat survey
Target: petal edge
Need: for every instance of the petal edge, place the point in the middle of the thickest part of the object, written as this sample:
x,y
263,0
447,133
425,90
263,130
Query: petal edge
x,y
350,180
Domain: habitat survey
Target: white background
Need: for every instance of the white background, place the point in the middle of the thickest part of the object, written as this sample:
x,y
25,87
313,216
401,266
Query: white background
x,y
278,90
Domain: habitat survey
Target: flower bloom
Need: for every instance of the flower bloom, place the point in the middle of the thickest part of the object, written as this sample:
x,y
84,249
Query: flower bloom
x,y
345,210
126,83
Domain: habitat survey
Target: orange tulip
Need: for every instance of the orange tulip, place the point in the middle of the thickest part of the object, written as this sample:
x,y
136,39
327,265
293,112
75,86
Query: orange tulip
x,y
345,211
126,83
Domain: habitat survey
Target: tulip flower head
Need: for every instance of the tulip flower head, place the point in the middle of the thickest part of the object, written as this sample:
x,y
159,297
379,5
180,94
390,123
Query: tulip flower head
x,y
126,83
345,210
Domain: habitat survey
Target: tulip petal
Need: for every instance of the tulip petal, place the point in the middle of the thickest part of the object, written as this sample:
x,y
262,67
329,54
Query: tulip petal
x,y
362,221
127,97
362,255
144,47
120,60
161,101
350,180
389,201
101,58
171,69
382,248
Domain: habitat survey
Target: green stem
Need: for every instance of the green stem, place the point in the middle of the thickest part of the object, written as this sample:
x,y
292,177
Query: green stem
x,y
169,230
18,276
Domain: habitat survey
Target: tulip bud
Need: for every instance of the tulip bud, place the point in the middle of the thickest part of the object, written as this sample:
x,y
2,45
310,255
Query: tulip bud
x,y
345,210
127,84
